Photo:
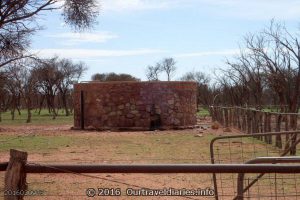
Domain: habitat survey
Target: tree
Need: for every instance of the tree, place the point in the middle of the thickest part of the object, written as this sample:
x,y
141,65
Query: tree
x,y
288,60
3,92
168,66
28,83
113,77
12,86
48,78
268,65
54,78
199,77
204,96
152,72
69,72
23,82
18,22
247,73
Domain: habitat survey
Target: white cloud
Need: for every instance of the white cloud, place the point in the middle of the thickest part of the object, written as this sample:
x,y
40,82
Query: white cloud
x,y
209,53
138,5
255,9
93,53
70,38
245,9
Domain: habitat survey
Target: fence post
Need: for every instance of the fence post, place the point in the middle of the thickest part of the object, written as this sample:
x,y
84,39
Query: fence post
x,y
226,117
15,176
267,127
231,112
255,122
244,121
293,123
219,111
287,136
216,114
249,121
212,113
252,113
260,125
222,116
278,127
239,118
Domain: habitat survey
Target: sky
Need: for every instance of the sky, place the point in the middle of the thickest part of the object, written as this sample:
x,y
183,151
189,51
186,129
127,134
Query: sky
x,y
133,34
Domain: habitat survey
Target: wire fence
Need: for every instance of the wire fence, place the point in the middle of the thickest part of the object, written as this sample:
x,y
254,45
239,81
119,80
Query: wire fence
x,y
271,186
252,121
241,149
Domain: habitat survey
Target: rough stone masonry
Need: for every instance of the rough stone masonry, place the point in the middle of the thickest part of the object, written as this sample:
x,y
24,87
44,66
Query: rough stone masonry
x,y
135,105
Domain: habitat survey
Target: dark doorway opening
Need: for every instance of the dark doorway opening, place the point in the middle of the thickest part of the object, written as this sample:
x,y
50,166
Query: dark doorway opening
x,y
155,120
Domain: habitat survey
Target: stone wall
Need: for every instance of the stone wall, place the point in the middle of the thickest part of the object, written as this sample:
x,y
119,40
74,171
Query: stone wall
x,y
135,105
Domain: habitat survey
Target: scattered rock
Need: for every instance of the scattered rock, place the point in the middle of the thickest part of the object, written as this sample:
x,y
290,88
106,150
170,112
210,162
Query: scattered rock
x,y
199,135
132,107
171,101
112,113
215,125
134,112
90,128
130,116
227,129
121,107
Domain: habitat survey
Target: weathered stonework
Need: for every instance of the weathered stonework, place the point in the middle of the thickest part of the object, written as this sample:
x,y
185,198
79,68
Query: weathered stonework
x,y
135,105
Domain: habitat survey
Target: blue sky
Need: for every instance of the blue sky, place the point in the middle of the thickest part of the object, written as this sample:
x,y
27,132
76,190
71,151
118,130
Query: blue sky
x,y
132,34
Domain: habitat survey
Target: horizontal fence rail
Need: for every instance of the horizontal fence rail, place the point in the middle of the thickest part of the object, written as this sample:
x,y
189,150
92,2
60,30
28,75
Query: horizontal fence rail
x,y
163,168
17,169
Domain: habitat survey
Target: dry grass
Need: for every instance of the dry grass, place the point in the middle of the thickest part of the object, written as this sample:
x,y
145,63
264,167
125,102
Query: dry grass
x,y
59,144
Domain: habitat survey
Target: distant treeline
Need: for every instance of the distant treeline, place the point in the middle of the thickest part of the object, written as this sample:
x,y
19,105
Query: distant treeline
x,y
39,83
266,71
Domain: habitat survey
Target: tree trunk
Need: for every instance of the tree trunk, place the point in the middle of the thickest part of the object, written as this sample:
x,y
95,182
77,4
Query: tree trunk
x,y
18,104
278,129
19,111
41,104
52,106
28,110
12,114
65,105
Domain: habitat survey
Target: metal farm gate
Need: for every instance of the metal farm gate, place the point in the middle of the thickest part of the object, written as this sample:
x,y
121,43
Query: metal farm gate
x,y
250,149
